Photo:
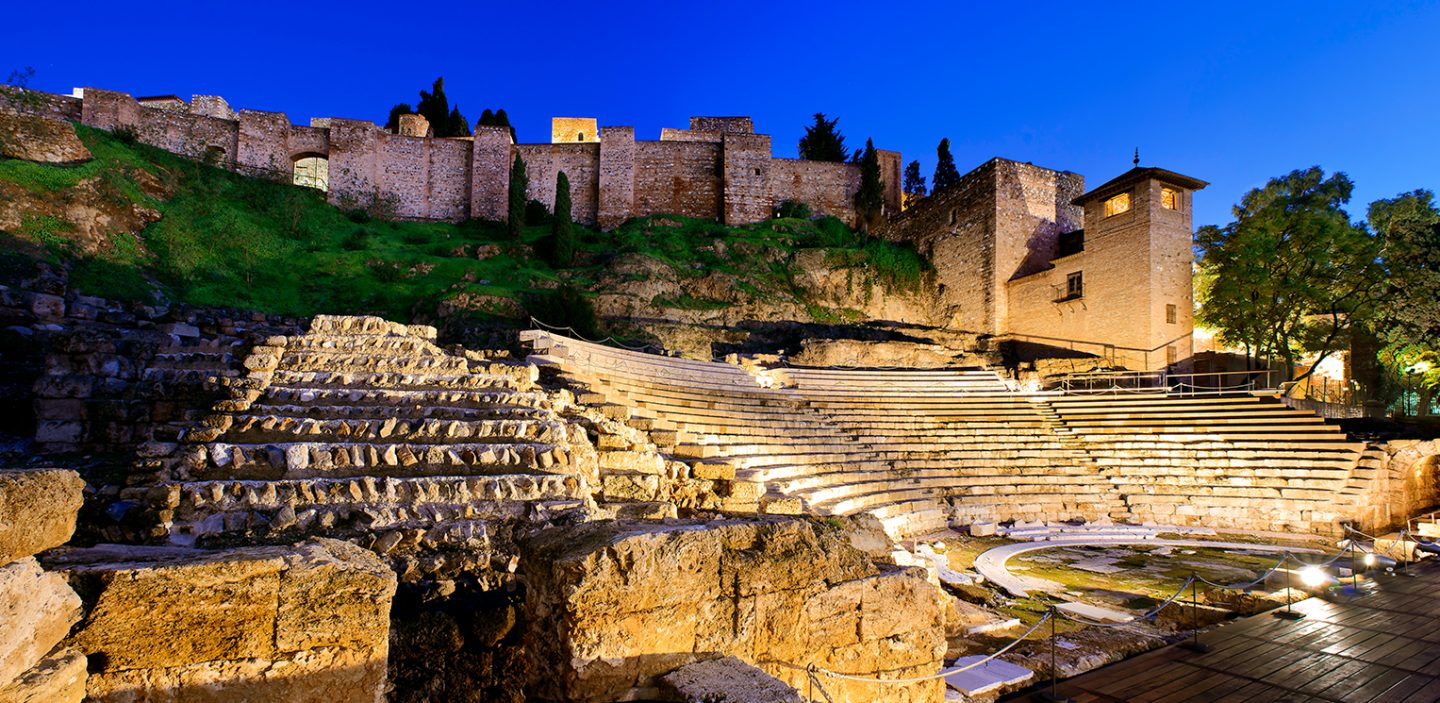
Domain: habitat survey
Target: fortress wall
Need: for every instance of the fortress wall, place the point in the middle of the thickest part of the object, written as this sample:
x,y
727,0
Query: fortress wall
x,y
447,178
746,178
678,178
670,134
403,170
1032,209
955,230
263,144
60,107
490,160
354,146
306,140
890,176
192,135
581,164
616,180
828,188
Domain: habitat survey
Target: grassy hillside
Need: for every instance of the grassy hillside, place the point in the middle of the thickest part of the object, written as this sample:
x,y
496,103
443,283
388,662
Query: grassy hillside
x,y
228,240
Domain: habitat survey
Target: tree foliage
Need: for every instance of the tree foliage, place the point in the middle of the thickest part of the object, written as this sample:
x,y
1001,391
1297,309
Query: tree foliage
x,y
497,119
1292,274
519,185
870,198
946,174
913,184
1408,229
823,141
445,120
558,248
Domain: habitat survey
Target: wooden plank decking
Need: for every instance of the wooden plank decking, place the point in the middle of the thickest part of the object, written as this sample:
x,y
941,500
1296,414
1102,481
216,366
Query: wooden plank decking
x,y
1383,647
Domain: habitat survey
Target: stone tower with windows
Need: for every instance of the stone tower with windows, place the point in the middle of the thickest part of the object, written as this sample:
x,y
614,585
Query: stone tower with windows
x,y
1137,265
1022,255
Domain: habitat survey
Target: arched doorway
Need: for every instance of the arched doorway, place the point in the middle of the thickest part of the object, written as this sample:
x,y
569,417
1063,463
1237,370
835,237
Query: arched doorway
x,y
312,171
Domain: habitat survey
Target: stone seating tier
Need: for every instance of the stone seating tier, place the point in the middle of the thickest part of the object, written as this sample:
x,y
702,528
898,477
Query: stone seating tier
x,y
891,441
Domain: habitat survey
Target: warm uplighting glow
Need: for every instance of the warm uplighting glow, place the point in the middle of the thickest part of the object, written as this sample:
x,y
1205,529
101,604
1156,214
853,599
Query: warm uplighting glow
x,y
1313,576
1369,559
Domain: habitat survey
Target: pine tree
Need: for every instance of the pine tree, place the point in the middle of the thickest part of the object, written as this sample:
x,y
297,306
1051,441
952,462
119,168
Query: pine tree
x,y
392,123
913,184
870,199
559,249
503,120
823,142
945,173
487,118
519,184
435,108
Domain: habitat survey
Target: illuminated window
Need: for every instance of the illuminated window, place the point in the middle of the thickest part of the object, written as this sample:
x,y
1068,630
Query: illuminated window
x,y
1172,355
1170,198
1170,314
1074,285
1117,204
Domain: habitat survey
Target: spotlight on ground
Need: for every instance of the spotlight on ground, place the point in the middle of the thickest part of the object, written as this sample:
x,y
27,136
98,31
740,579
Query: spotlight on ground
x,y
1313,577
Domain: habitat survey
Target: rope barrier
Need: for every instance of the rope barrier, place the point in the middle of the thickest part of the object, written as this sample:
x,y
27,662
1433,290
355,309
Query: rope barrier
x,y
1153,611
607,340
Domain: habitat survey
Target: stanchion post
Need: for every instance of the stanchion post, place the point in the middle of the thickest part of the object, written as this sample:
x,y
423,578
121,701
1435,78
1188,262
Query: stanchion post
x,y
1053,696
1354,568
1194,644
1287,613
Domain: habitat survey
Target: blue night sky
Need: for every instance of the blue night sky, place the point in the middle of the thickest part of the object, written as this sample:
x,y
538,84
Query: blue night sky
x,y
1230,92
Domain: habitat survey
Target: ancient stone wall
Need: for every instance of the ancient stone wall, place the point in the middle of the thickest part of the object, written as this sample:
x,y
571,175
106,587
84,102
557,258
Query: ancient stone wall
x,y
746,185
955,230
581,164
719,168
828,188
60,107
617,176
678,178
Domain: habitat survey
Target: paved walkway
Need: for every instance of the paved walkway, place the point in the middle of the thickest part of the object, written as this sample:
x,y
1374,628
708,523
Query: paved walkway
x,y
991,563
1378,648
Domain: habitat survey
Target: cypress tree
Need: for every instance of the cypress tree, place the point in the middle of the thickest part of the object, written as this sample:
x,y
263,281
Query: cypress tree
x,y
870,199
913,184
519,184
945,173
455,125
561,246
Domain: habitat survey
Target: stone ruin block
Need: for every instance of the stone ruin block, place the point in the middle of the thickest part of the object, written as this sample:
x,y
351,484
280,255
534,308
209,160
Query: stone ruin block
x,y
638,601
36,611
302,623
37,510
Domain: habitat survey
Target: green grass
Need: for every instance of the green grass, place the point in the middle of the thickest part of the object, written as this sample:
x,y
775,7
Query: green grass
x,y
235,241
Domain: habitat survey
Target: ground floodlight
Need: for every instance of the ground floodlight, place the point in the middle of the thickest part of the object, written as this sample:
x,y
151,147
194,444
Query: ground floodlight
x,y
1313,576
1369,560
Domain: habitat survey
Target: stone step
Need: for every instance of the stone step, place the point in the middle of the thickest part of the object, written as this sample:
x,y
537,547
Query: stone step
x,y
399,397
402,412
407,381
342,362
339,459
259,429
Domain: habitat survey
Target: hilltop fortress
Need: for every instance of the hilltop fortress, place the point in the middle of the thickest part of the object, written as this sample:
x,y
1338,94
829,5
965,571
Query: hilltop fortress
x,y
1022,254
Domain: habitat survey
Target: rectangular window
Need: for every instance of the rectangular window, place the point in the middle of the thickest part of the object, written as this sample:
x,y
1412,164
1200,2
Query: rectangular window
x,y
1172,355
1169,198
1117,205
1170,314
1074,285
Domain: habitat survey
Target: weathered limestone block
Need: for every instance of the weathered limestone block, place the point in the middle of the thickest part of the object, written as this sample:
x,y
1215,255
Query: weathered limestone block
x,y
302,623
637,601
58,678
37,510
36,612
38,139
729,680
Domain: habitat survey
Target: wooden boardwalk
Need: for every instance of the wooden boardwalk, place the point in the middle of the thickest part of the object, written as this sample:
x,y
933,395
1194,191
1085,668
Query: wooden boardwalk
x,y
1383,647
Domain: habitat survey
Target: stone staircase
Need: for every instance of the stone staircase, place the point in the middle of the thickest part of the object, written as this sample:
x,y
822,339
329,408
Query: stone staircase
x,y
365,427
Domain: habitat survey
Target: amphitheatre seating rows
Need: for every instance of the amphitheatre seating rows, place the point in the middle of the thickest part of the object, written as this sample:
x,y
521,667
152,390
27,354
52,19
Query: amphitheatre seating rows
x,y
367,420
897,441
